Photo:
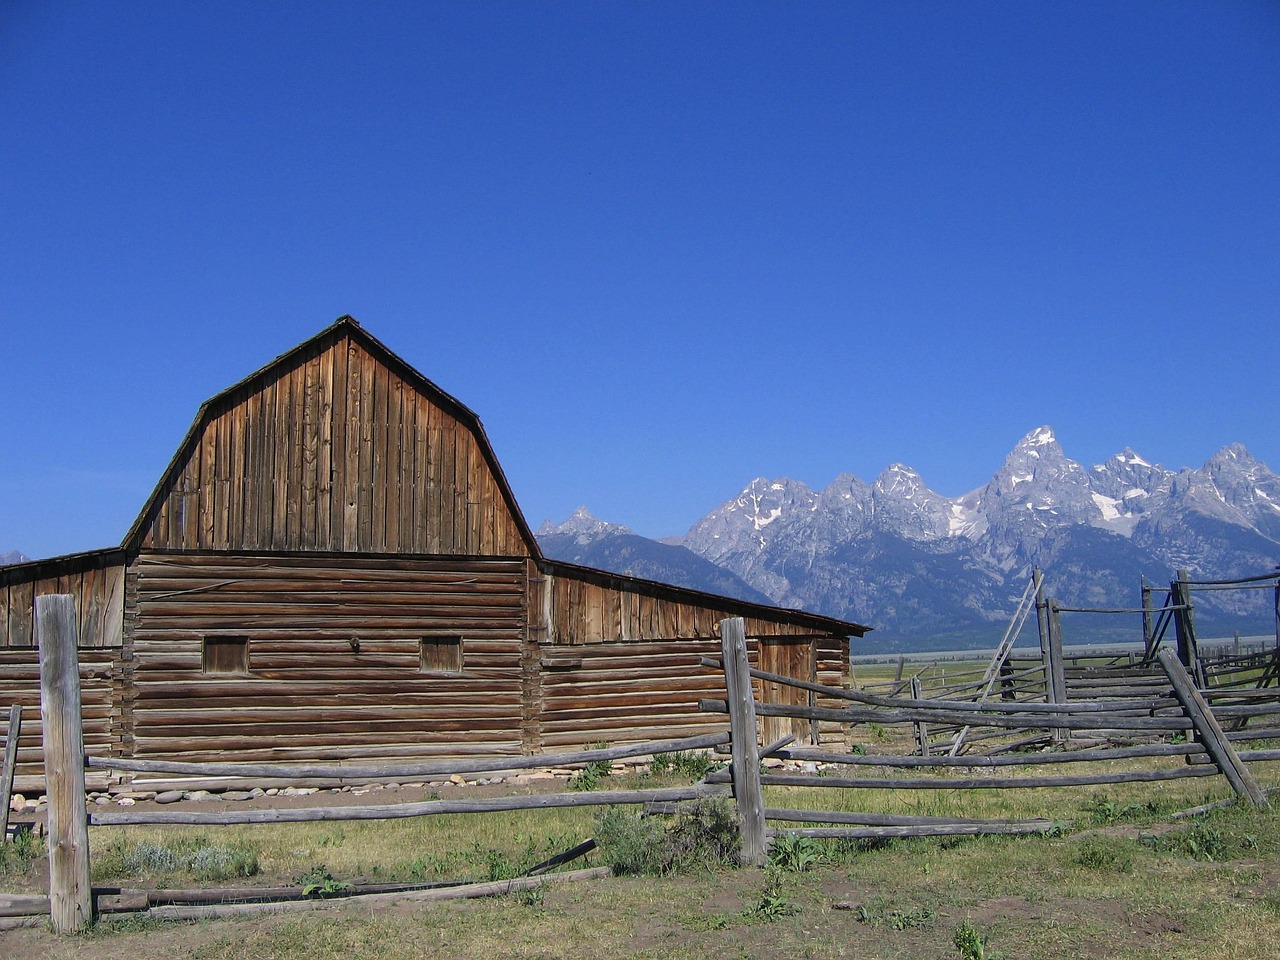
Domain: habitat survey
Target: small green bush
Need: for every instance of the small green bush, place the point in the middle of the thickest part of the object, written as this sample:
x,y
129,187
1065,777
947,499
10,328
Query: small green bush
x,y
319,884
17,856
793,853
683,763
972,943
592,773
590,776
195,856
702,835
894,918
773,903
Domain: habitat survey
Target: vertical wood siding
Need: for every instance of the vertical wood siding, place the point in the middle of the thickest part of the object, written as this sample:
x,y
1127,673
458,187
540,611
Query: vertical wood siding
x,y
334,657
335,452
601,610
96,584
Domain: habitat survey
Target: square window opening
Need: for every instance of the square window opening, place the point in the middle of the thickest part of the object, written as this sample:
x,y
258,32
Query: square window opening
x,y
440,654
225,655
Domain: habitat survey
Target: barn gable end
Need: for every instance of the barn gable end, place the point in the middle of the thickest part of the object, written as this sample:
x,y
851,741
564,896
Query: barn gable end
x,y
336,446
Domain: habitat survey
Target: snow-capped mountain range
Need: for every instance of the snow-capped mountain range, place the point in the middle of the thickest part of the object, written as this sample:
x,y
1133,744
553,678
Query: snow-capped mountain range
x,y
913,563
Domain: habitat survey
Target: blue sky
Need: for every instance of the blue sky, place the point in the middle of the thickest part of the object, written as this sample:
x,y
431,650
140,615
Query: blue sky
x,y
660,248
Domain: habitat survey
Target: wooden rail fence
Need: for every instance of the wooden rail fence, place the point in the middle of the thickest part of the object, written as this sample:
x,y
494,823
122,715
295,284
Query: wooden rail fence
x,y
1129,702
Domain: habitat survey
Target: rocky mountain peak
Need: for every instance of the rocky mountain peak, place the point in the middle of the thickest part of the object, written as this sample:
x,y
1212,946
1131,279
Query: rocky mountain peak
x,y
898,480
1233,453
904,505
581,524
750,519
1245,484
1125,486
1040,437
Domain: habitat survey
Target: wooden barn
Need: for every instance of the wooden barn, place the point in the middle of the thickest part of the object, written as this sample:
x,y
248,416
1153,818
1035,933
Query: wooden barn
x,y
333,567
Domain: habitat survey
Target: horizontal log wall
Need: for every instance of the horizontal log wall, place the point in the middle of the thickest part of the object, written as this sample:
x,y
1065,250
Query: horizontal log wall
x,y
622,661
98,588
336,451
623,692
334,658
20,684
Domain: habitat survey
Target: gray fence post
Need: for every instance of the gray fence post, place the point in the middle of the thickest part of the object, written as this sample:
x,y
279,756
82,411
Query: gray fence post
x,y
70,895
746,751
922,730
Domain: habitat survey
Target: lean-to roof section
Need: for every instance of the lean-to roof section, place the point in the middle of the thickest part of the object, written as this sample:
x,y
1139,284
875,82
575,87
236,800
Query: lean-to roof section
x,y
337,445
585,605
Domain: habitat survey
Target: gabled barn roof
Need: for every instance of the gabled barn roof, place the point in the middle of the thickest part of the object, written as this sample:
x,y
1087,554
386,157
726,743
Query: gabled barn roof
x,y
183,474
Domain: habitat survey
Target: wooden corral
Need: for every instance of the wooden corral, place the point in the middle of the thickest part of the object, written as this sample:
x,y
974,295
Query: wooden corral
x,y
334,566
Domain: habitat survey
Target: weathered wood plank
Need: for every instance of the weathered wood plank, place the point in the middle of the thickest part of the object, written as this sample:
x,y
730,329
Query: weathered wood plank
x,y
393,465
977,783
340,424
206,502
1209,731
438,768
537,801
466,891
355,438
366,461
21,614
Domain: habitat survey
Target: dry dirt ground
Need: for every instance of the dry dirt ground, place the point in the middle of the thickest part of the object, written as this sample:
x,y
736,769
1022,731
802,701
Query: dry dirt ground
x,y
697,917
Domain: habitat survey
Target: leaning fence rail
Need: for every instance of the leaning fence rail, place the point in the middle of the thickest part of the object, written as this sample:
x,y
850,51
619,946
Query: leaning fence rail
x,y
11,735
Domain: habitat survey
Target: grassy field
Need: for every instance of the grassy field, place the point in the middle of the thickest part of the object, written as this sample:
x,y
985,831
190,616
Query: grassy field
x,y
1123,881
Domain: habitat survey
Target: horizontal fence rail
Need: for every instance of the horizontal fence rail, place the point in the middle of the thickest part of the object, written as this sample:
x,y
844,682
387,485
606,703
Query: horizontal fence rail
x,y
394,811
434,768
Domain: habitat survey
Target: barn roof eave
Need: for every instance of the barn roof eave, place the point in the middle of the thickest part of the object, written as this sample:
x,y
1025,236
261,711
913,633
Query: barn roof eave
x,y
52,566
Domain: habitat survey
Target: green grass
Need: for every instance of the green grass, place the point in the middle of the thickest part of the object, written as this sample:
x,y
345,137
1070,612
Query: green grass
x,y
1125,883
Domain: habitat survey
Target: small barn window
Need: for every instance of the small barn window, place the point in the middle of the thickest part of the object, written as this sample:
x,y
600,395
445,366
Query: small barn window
x,y
225,655
441,654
